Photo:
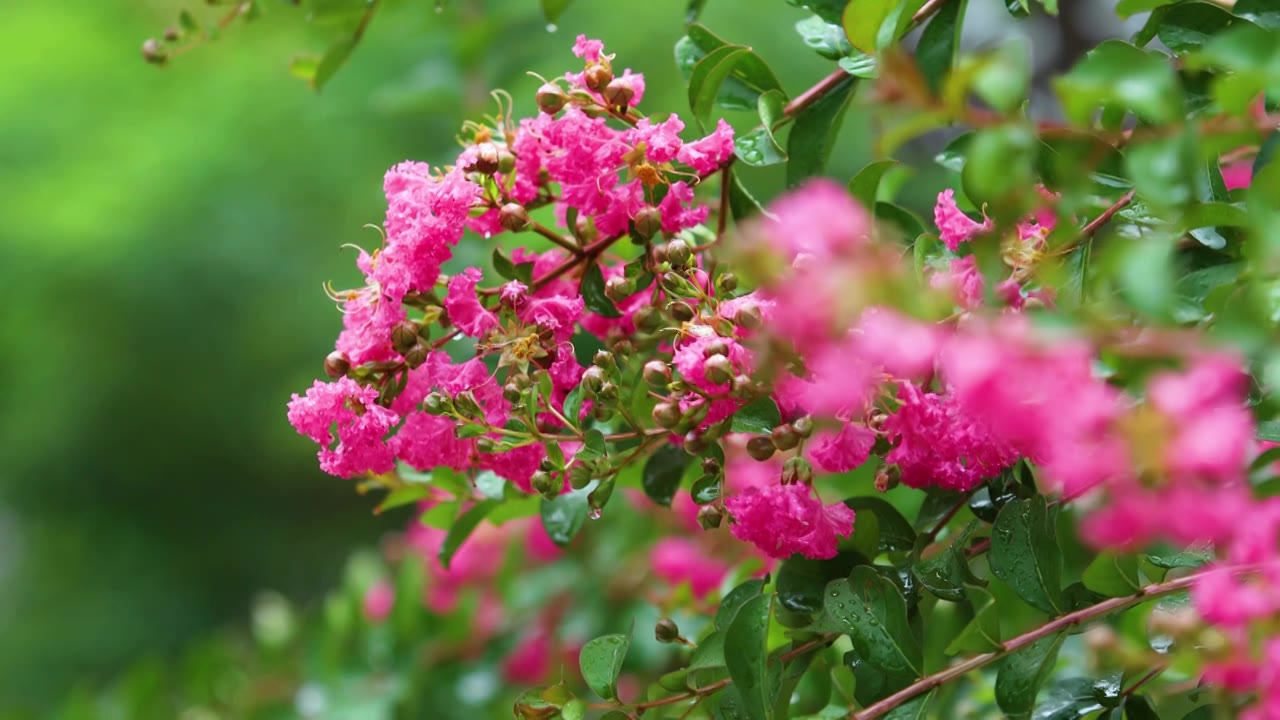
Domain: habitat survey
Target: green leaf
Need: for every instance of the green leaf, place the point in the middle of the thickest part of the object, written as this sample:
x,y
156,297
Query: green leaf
x,y
601,662
749,76
1264,12
662,473
462,529
1127,8
982,634
1026,555
936,51
742,204
708,75
802,580
860,65
1188,25
1003,77
706,489
1146,274
332,61
896,532
343,13
758,416
502,264
1164,169
491,485
1119,74
694,10
874,614
906,221
914,709
1190,558
1269,430
402,496
946,574
866,184
551,9
564,515
188,22
746,656
825,38
829,10
592,289
734,601
814,133
1113,575
862,21
758,147
573,404
709,653
999,164
1021,674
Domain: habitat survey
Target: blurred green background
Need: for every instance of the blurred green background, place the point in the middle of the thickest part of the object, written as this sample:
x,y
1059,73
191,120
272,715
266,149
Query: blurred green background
x,y
165,236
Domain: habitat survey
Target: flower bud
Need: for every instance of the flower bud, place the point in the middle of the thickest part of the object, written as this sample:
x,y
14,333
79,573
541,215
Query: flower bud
x,y
485,444
760,448
336,364
486,162
681,311
544,484
803,426
171,34
416,356
513,217
618,289
579,476
718,369
715,347
659,254
153,53
647,319
648,222
608,393
711,466
743,387
678,253
727,282
666,631
785,437
618,93
506,161
404,336
888,477
723,327
436,404
604,359
597,77
696,443
710,517
666,415
593,379
551,98
466,403
796,470
601,412
511,393
657,373
748,318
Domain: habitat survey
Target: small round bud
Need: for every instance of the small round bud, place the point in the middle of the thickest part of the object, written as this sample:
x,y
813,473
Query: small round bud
x,y
711,466
618,289
648,222
647,318
171,34
718,369
602,412
547,465
696,443
436,404
466,403
153,53
666,631
785,437
486,162
404,336
715,347
544,484
657,373
336,364
608,393
593,379
796,470
551,98
803,426
520,380
723,327
485,444
659,254
743,387
727,282
710,517
513,217
597,77
681,311
416,356
506,161
760,448
888,477
604,359
748,318
579,476
666,415
678,253
511,393
618,92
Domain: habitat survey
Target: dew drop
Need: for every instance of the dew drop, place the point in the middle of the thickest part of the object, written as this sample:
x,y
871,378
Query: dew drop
x,y
551,27
594,513
487,235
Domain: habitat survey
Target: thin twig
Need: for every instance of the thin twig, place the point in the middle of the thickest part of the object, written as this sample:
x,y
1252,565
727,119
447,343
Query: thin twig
x,y
1091,229
815,93
555,237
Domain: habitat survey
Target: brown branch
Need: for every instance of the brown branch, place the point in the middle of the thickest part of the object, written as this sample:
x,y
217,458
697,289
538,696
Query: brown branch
x,y
815,93
555,237
1091,229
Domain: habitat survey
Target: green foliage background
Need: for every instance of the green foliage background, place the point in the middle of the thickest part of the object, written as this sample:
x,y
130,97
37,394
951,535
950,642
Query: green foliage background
x,y
164,237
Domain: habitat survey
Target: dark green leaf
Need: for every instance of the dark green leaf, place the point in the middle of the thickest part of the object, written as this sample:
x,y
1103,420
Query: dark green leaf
x,y
826,38
709,653
601,662
758,416
563,516
742,204
1113,575
896,532
1116,73
551,9
982,634
829,10
706,489
1191,558
708,75
814,133
936,51
1025,552
332,60
866,184
734,601
946,573
503,265
1021,674
592,289
573,404
802,580
1188,25
1263,12
874,614
746,656
749,76
462,529
662,473
906,221
914,709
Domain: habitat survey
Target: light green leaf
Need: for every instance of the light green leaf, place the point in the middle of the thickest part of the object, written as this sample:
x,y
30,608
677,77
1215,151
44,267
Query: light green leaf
x,y
1119,74
734,600
982,634
826,39
1113,575
601,663
462,529
936,51
866,184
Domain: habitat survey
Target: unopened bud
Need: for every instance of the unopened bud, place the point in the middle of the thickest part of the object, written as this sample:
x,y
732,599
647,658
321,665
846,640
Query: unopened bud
x,y
544,484
803,426
436,404
619,92
336,364
551,98
888,477
727,282
696,443
513,217
467,405
511,393
659,254
593,379
604,359
681,311
678,253
579,476
711,466
608,393
796,470
618,289
486,162
171,34
710,517
506,161
657,373
715,347
153,53
743,387
761,448
748,318
647,319
597,77
485,444
666,631
785,437
416,356
404,336
602,412
718,369
648,222
666,415
723,327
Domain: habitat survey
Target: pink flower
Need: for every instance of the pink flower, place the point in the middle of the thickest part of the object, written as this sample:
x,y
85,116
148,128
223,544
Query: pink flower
x,y
843,451
426,217
517,464
711,152
691,360
962,278
678,560
464,307
677,209
938,446
783,520
558,314
427,441
362,425
954,227
661,140
378,601
587,49
818,219
903,346
531,659
1238,175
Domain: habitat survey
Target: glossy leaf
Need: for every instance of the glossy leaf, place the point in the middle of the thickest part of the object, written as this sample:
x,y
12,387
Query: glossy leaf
x,y
758,416
1189,25
663,471
827,39
874,614
592,289
563,516
862,21
814,133
866,184
829,10
601,662
746,656
936,51
896,532
1113,575
734,601
982,634
1026,555
462,528
1021,674
802,580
